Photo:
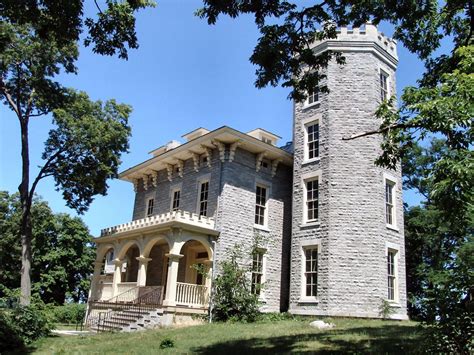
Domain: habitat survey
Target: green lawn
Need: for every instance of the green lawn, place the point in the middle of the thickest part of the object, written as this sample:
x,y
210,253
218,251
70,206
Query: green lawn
x,y
284,336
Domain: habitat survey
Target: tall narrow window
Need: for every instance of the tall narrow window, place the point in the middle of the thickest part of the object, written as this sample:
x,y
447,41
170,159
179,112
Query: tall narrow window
x,y
313,96
312,140
312,200
260,205
150,205
392,276
311,271
257,272
389,202
203,197
383,85
176,198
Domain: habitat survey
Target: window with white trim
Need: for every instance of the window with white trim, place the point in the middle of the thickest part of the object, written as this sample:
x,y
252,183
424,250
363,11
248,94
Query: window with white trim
x,y
389,202
257,271
383,85
392,275
203,198
260,205
175,199
311,271
150,206
312,140
313,96
312,200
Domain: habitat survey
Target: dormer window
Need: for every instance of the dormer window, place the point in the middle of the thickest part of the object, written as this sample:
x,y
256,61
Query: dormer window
x,y
267,140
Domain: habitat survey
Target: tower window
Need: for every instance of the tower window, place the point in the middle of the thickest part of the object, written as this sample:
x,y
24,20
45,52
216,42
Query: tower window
x,y
150,206
389,202
312,140
311,271
203,198
312,200
391,275
383,85
313,96
176,200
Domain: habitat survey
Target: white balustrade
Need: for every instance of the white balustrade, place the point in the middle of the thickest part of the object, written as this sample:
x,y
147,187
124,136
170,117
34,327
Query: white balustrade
x,y
191,295
175,216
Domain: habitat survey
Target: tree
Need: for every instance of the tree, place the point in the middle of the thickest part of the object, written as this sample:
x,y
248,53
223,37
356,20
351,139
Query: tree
x,y
439,257
38,40
62,251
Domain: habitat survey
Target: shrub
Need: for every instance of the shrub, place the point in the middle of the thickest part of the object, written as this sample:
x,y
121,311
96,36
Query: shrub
x,y
10,338
233,299
32,323
72,313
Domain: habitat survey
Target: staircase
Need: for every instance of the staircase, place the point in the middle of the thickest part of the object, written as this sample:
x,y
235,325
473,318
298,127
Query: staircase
x,y
125,313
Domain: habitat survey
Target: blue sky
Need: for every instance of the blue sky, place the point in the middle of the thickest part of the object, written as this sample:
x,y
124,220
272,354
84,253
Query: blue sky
x,y
185,74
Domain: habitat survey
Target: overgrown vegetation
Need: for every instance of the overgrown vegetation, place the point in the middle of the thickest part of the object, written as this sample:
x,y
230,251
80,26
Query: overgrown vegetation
x,y
233,299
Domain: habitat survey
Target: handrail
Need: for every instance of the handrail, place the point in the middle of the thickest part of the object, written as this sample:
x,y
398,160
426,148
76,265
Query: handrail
x,y
125,296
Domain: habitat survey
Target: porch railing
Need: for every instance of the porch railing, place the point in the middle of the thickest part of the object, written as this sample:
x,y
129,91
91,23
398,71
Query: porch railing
x,y
191,295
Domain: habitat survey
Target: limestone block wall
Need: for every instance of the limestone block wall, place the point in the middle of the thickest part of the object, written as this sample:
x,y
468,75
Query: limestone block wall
x,y
352,236
189,185
236,217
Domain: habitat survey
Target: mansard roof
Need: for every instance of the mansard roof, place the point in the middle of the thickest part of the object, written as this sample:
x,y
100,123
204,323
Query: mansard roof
x,y
200,142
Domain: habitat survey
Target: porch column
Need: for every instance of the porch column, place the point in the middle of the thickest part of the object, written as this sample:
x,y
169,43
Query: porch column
x,y
173,265
208,280
117,276
95,280
142,267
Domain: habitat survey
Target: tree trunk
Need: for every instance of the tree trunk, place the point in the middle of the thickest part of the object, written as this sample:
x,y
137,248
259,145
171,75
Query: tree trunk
x,y
25,226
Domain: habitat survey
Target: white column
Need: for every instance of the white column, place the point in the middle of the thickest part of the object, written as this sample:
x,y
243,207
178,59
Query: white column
x,y
117,276
173,265
142,268
95,280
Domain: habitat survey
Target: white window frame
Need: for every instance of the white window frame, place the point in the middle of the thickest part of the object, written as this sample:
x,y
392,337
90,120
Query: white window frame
x,y
268,187
305,245
174,189
202,180
264,206
316,175
263,252
386,90
307,102
392,248
305,124
388,179
152,200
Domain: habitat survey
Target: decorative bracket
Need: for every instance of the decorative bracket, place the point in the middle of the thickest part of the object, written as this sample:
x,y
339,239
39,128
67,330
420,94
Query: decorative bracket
x,y
169,169
275,166
233,147
208,154
180,167
145,182
221,147
154,178
135,185
195,161
260,157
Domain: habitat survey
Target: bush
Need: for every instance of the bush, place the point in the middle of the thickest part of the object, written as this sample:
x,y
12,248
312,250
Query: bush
x,y
73,313
233,299
167,343
21,326
9,333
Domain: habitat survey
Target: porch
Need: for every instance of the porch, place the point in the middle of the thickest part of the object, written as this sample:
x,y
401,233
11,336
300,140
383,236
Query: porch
x,y
171,253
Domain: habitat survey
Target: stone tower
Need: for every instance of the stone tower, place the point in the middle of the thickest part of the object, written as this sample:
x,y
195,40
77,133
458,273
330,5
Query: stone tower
x,y
347,247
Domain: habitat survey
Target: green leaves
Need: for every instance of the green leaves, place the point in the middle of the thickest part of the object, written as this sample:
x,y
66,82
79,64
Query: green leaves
x,y
85,148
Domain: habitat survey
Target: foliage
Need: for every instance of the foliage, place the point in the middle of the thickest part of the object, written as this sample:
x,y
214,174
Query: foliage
x,y
62,252
70,313
232,297
167,343
439,256
9,333
21,326
386,309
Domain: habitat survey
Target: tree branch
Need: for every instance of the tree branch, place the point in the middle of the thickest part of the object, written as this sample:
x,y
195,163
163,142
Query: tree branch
x,y
98,7
381,130
3,88
42,175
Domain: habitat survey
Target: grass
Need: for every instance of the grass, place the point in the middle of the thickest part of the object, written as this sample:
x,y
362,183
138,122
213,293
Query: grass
x,y
353,336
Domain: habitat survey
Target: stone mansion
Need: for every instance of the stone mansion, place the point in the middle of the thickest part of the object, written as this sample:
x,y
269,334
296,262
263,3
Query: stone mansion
x,y
327,221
